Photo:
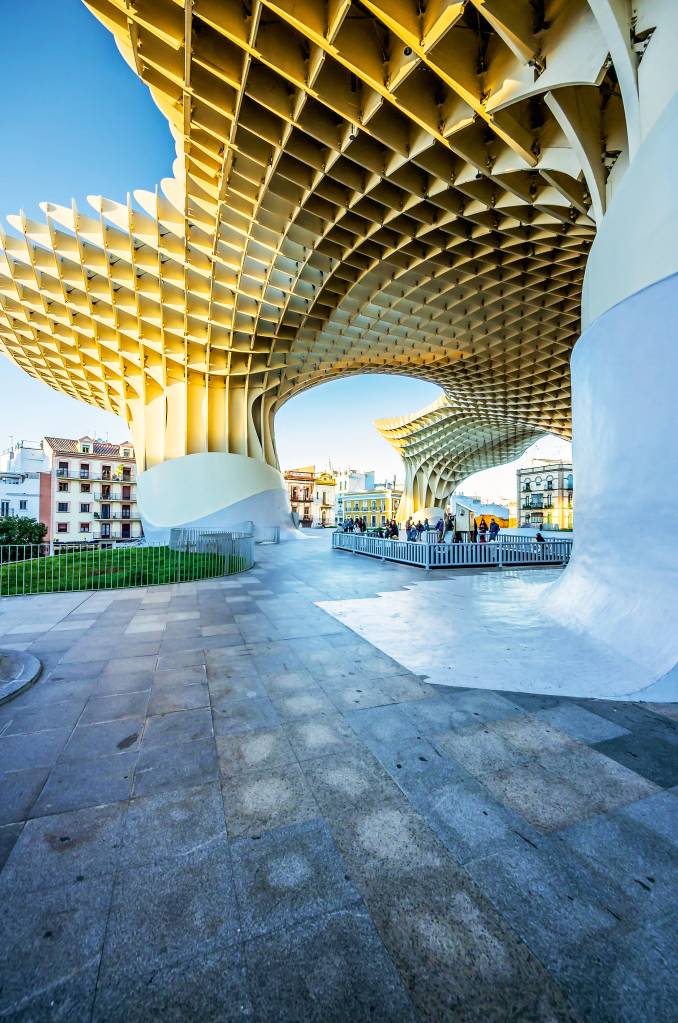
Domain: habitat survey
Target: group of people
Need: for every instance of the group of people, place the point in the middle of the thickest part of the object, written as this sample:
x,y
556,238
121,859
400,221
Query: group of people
x,y
359,525
445,527
483,532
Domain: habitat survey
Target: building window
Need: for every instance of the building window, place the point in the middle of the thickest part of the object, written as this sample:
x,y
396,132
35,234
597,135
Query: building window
x,y
84,509
105,472
549,483
63,469
85,527
4,509
126,493
528,485
84,470
63,488
62,527
85,488
23,505
62,506
569,481
125,453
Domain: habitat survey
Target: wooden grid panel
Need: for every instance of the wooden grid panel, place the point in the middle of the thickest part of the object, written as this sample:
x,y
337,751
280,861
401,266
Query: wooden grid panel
x,y
405,186
441,445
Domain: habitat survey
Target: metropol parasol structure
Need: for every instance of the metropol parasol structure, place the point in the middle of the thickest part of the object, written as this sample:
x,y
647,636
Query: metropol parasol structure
x,y
457,191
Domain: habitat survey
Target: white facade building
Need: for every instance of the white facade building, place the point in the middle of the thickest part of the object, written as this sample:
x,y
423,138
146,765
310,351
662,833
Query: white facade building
x,y
20,480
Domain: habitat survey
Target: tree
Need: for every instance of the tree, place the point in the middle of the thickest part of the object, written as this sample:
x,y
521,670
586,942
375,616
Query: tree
x,y
22,531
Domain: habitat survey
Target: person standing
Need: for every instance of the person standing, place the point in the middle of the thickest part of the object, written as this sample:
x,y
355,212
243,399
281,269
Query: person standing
x,y
494,529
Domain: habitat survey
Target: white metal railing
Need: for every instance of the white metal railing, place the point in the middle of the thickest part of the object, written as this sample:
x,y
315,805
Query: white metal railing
x,y
525,551
39,568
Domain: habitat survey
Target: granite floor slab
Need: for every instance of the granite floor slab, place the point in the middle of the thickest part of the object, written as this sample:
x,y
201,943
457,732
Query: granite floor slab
x,y
221,803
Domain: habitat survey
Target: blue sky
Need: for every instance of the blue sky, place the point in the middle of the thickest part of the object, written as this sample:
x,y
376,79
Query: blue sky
x,y
76,121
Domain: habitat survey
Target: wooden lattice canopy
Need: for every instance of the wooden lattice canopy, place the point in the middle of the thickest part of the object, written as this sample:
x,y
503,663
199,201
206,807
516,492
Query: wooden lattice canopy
x,y
405,186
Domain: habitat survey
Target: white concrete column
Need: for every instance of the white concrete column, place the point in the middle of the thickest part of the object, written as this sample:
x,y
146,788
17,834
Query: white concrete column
x,y
622,584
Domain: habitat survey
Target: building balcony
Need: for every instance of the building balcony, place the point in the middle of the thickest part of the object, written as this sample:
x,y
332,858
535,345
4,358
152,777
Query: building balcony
x,y
77,474
116,517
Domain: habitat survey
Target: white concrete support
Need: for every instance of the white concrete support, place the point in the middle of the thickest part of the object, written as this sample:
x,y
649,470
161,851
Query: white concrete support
x,y
622,584
212,490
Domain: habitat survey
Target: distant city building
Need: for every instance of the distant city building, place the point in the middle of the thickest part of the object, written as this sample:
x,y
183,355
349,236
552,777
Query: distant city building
x,y
323,508
545,492
92,491
353,481
469,511
300,484
377,505
21,478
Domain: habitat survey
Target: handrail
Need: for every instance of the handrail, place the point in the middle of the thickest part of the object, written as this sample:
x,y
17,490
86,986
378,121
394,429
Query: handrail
x,y
525,551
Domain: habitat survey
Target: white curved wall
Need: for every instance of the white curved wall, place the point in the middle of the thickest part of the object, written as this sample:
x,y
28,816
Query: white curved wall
x,y
211,489
622,583
636,242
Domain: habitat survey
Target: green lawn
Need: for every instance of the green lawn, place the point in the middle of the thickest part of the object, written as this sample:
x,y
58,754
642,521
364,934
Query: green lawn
x,y
114,568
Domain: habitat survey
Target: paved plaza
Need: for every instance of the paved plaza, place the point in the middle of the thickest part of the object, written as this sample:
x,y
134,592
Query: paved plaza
x,y
221,803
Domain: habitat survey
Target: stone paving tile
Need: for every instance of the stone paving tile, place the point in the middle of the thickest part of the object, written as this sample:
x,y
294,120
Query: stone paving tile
x,y
458,710
653,757
182,726
262,800
580,723
477,969
38,749
19,790
64,849
131,682
321,736
253,751
225,690
210,987
16,719
103,738
605,782
184,765
390,724
333,967
659,813
405,761
185,659
480,750
235,717
8,836
642,863
130,665
172,678
49,951
358,696
352,779
73,785
549,895
546,800
533,737
71,672
120,705
159,912
170,823
175,698
289,875
303,705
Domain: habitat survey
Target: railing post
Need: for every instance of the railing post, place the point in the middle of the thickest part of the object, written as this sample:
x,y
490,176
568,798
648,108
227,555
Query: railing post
x,y
427,556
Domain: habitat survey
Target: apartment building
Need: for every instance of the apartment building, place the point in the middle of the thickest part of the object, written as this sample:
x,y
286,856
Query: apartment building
x,y
323,509
92,491
377,506
350,481
22,475
546,495
300,484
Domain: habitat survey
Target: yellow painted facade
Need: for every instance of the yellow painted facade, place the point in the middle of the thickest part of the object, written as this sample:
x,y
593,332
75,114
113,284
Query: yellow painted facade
x,y
377,506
